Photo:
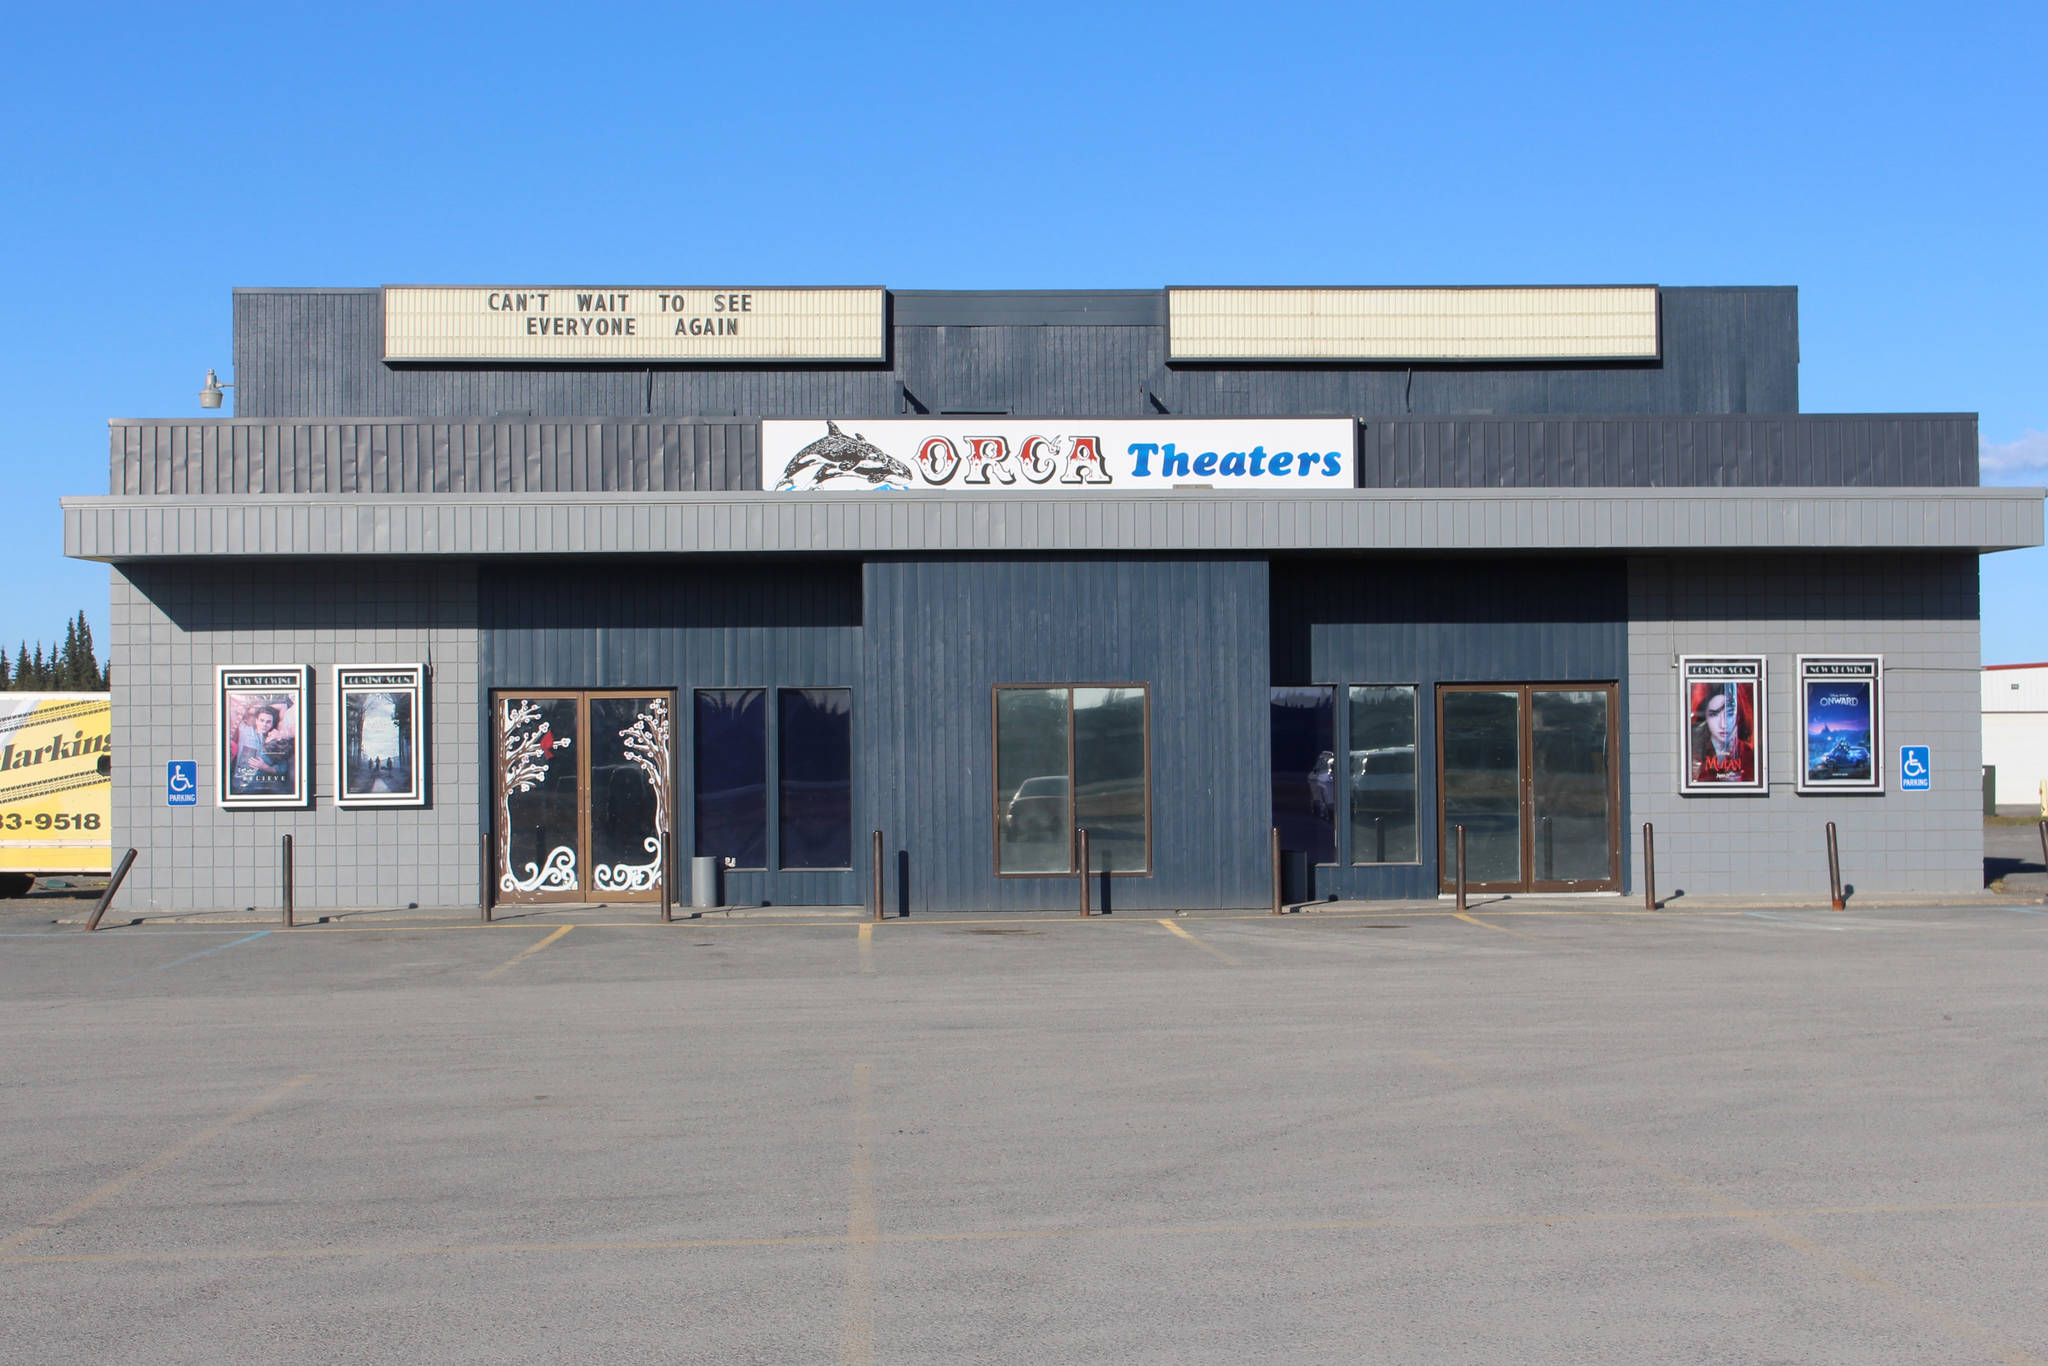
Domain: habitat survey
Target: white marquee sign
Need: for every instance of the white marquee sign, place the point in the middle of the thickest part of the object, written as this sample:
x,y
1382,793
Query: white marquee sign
x,y
1024,455
614,323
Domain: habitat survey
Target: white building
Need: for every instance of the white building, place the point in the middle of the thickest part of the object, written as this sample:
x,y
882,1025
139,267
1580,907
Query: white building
x,y
2016,731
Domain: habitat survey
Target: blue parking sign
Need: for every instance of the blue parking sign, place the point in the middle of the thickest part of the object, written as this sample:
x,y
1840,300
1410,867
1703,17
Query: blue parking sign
x,y
181,783
1916,768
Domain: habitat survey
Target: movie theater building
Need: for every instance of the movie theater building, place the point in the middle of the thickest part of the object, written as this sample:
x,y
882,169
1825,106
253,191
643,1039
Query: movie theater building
x,y
543,590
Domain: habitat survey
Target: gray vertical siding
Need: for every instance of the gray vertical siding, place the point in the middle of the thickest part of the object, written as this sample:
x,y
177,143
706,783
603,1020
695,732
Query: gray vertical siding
x,y
1859,451
1369,619
318,353
942,633
683,625
676,455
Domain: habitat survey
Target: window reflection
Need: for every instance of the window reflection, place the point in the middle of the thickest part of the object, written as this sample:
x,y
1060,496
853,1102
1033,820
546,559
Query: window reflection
x,y
1381,774
1304,725
814,790
1034,812
1068,757
1109,776
732,775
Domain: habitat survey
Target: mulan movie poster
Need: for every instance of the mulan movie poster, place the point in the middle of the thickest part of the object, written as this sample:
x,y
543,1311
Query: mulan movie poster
x,y
1721,699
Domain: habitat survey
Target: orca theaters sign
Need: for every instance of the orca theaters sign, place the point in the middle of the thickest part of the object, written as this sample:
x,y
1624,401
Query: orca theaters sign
x,y
1064,455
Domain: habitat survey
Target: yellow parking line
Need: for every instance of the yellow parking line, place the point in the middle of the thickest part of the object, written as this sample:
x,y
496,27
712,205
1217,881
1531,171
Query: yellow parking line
x,y
529,951
1213,953
867,946
20,1238
1499,929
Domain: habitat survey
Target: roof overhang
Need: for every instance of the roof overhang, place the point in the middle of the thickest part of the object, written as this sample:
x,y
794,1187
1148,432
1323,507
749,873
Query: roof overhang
x,y
119,529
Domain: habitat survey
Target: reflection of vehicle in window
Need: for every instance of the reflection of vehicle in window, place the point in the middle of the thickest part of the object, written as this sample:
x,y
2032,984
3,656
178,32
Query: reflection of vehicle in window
x,y
1038,810
1322,786
1382,769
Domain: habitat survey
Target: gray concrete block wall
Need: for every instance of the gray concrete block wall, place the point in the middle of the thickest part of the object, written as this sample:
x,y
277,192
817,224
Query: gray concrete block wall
x,y
1918,611
173,624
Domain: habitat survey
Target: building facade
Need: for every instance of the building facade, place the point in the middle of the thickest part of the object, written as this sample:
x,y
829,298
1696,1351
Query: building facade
x,y
2016,736
534,593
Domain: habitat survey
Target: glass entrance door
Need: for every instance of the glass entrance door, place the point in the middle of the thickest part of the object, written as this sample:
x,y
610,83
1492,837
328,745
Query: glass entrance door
x,y
1529,770
583,789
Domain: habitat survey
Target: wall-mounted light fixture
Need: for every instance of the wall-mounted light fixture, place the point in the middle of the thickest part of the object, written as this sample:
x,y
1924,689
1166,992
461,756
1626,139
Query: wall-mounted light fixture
x,y
209,397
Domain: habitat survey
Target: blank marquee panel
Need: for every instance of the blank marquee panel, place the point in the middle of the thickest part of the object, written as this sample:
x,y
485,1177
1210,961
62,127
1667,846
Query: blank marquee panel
x,y
1518,324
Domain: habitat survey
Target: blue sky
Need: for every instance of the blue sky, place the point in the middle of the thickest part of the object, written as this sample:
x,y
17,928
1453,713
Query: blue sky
x,y
1888,160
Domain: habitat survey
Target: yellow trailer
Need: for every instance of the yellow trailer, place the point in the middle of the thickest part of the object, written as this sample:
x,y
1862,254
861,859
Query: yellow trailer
x,y
56,785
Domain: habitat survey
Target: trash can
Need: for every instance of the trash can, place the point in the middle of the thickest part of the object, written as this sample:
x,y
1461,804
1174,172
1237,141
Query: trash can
x,y
704,882
1295,885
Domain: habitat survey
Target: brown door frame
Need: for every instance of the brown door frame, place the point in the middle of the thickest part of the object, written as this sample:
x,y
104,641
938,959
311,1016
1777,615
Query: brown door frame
x,y
582,892
1525,790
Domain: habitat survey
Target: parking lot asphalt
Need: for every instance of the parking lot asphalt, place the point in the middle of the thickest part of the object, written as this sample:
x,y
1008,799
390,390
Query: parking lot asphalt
x,y
1529,1135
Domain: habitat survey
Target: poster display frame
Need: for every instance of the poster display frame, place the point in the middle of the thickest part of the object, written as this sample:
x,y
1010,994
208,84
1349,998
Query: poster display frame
x,y
279,681
1750,671
409,680
1818,671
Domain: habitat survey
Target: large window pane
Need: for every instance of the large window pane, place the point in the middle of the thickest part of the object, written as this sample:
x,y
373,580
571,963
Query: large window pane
x,y
732,775
1304,724
1570,788
1034,814
629,792
1382,775
814,762
537,806
1482,744
1109,777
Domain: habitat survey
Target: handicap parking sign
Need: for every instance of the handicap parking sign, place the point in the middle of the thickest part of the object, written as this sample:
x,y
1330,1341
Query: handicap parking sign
x,y
181,783
1916,770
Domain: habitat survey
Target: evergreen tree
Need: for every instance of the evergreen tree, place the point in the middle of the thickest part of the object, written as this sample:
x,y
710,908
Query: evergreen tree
x,y
6,672
66,666
89,660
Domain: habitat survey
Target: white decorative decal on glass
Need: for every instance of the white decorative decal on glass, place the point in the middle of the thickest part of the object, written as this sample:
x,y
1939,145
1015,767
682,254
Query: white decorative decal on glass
x,y
525,754
645,745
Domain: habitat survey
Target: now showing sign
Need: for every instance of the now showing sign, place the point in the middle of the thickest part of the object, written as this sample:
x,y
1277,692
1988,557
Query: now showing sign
x,y
1026,455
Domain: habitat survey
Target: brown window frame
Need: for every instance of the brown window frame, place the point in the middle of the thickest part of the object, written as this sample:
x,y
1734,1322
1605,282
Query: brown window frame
x,y
1531,885
995,795
583,893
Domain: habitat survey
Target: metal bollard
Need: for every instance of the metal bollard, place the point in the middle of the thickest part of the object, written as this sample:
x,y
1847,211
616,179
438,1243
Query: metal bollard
x,y
668,879
1649,868
92,921
1461,868
1379,839
878,875
287,881
1276,870
2044,850
1081,859
1834,870
483,881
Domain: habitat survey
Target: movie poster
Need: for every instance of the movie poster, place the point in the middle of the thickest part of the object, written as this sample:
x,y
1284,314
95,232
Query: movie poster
x,y
1721,742
1841,713
379,735
261,754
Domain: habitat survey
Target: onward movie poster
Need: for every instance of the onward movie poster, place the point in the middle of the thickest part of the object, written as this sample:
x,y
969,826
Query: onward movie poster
x,y
1840,713
1722,744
